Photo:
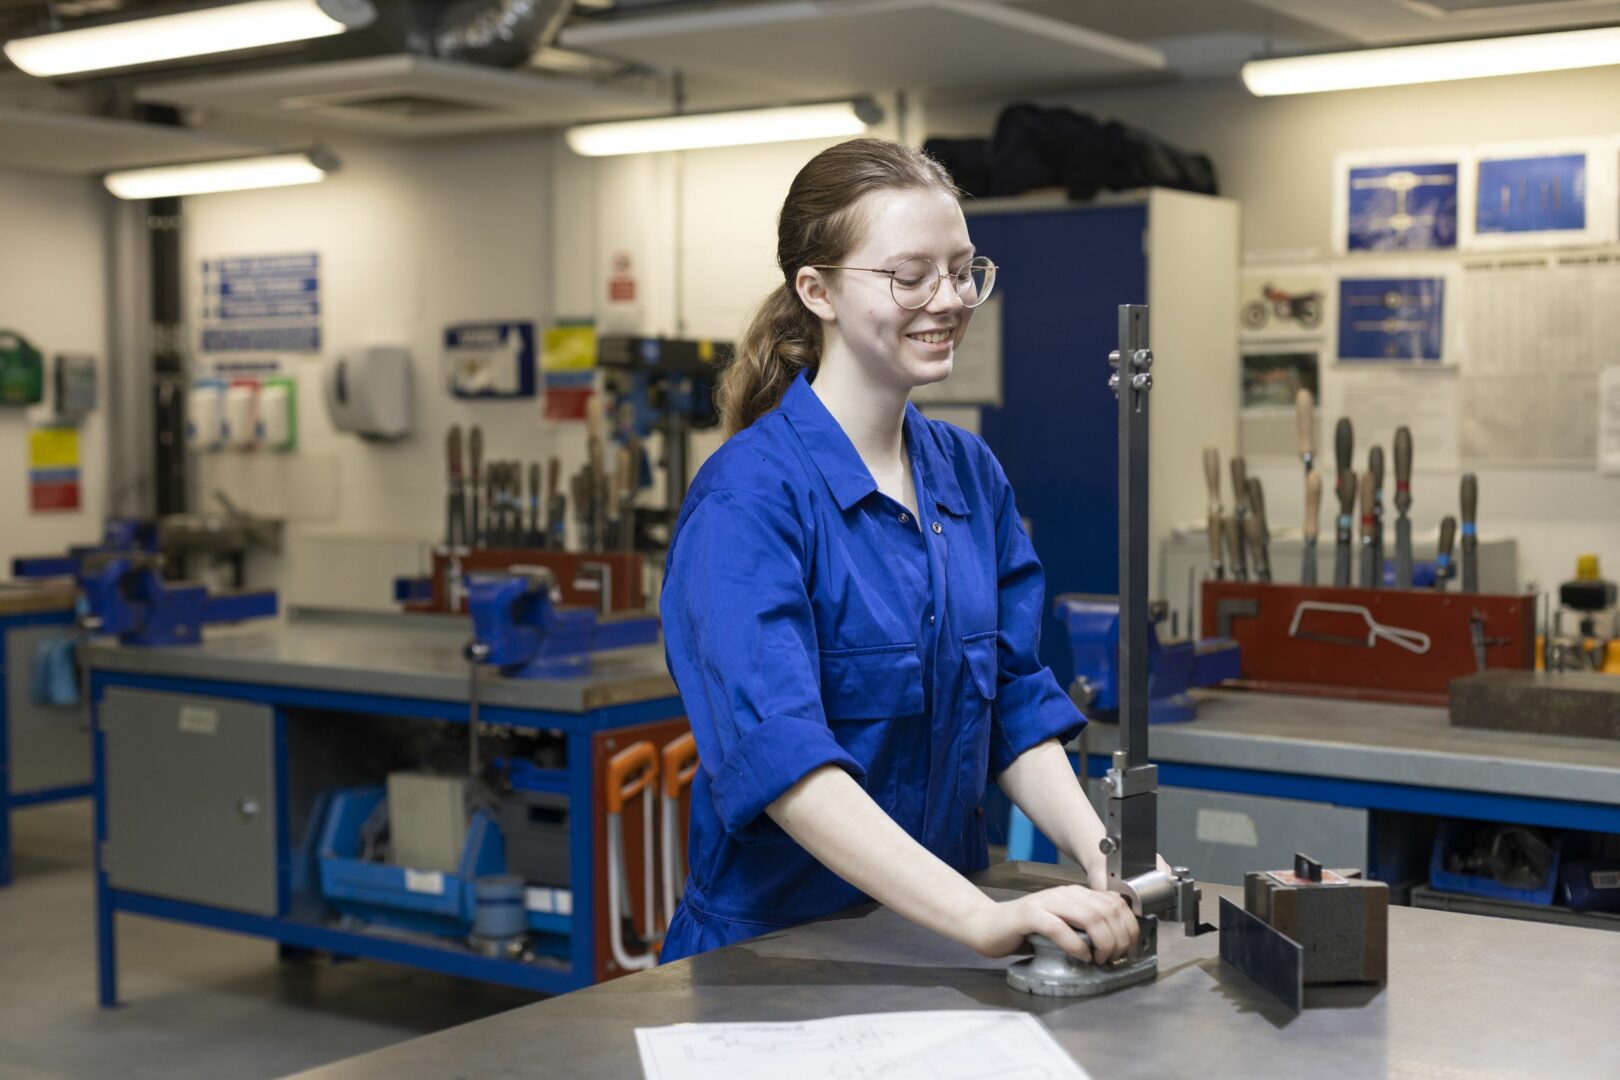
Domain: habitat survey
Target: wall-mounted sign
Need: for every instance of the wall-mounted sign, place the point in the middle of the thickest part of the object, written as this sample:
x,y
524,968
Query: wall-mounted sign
x,y
569,369
1401,200
53,469
1389,318
489,360
1545,192
262,303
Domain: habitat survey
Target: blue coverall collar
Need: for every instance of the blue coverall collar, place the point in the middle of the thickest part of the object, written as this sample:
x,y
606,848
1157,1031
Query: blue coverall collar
x,y
841,467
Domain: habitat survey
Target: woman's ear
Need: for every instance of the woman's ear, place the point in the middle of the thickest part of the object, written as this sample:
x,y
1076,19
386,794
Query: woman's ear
x,y
813,293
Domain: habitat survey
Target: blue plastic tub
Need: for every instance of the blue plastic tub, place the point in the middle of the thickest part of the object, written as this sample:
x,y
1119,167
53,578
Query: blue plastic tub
x,y
422,900
1453,835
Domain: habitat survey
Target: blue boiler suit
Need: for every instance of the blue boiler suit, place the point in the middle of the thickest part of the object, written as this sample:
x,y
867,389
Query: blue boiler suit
x,y
809,621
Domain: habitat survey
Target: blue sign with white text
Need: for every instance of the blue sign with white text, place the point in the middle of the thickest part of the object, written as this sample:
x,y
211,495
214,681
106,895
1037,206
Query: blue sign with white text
x,y
1537,194
1391,318
1402,207
490,360
261,303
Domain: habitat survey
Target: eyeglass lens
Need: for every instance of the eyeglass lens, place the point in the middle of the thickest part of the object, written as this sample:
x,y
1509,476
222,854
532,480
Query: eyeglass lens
x,y
915,281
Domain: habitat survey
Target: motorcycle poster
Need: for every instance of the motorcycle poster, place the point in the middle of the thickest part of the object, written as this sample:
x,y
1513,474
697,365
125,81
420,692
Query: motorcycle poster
x,y
1284,303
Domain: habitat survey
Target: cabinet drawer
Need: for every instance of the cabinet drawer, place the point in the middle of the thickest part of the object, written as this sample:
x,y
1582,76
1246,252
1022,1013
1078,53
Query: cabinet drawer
x,y
191,798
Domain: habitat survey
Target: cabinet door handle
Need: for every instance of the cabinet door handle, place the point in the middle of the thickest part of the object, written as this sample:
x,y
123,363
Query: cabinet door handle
x,y
248,807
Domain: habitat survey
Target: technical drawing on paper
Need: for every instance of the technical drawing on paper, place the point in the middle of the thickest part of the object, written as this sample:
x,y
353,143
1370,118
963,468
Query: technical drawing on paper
x,y
950,1045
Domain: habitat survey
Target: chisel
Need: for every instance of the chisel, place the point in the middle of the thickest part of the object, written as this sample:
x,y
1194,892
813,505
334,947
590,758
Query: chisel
x,y
455,518
1240,513
1234,542
1305,418
534,538
1313,508
1403,503
1369,550
1375,465
1212,478
475,457
1443,570
1470,538
557,507
1259,531
1343,444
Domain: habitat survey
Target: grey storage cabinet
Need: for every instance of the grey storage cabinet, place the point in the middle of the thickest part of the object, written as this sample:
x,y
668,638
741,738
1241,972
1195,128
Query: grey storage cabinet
x,y
1220,837
191,799
50,744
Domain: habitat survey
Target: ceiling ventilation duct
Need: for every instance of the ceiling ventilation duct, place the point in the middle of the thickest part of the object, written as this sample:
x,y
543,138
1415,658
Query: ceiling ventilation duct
x,y
500,33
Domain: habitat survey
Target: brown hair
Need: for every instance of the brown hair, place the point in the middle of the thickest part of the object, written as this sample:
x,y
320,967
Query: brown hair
x,y
818,225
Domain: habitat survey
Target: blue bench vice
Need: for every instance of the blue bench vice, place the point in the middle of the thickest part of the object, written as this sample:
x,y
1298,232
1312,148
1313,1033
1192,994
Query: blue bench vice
x,y
125,596
1175,667
520,628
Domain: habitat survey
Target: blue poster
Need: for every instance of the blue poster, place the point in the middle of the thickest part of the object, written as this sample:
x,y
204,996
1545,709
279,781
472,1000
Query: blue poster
x,y
490,360
1402,207
1391,318
1535,194
262,303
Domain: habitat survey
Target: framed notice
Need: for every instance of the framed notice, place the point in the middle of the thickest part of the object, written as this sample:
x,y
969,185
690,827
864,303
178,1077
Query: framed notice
x,y
1390,318
1401,200
1545,194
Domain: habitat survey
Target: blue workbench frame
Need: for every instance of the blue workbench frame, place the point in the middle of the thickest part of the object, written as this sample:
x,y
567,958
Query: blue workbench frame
x,y
1359,794
578,729
16,800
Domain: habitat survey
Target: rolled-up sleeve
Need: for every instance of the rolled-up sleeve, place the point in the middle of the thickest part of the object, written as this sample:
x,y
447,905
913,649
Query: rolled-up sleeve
x,y
1029,707
740,640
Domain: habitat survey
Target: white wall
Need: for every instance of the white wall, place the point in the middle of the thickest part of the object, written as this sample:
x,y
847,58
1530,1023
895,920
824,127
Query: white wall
x,y
53,290
412,237
1276,154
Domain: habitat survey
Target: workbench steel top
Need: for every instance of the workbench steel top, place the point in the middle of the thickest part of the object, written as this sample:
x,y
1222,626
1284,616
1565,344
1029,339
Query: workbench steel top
x,y
1468,996
409,656
1363,740
35,597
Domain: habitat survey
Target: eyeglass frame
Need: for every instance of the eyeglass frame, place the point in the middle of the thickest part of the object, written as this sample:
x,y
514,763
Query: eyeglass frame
x,y
939,276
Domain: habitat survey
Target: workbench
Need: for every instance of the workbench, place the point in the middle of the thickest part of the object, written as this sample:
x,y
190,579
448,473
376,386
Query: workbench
x,y
208,764
1467,996
1269,774
44,749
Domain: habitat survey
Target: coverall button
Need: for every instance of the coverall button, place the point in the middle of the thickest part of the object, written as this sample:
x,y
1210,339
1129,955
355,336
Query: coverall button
x,y
938,528
904,517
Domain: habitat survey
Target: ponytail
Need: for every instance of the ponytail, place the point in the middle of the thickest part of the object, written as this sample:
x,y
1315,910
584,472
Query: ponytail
x,y
819,223
782,339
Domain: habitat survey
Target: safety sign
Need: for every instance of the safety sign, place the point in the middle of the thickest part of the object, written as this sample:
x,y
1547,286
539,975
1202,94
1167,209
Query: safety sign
x,y
262,303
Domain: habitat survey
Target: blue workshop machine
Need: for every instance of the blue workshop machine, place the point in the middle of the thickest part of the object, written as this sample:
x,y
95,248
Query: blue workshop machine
x,y
1174,667
521,628
125,596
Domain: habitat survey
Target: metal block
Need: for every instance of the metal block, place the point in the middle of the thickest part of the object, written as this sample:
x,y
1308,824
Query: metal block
x,y
191,799
1341,923
427,821
1548,703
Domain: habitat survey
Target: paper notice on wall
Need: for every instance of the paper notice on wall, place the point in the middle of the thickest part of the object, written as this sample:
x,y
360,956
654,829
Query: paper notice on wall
x,y
53,469
1379,400
1609,421
958,1043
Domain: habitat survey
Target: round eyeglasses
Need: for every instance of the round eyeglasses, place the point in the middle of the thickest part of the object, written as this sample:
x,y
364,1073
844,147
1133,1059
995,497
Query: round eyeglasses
x,y
914,282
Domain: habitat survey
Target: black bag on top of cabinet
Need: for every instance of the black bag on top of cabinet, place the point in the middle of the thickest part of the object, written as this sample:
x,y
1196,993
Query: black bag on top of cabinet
x,y
1036,147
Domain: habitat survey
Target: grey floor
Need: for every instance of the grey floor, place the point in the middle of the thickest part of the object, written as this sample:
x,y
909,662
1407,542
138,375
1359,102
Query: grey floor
x,y
196,1002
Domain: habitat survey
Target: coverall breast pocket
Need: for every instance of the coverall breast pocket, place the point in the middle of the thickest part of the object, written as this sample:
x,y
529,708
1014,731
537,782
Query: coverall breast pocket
x,y
873,683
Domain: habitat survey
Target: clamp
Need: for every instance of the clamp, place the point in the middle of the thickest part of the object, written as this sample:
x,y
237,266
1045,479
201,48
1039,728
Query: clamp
x,y
521,627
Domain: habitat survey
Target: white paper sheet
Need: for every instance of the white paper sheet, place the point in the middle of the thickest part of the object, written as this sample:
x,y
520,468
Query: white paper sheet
x,y
1379,400
944,1045
1609,422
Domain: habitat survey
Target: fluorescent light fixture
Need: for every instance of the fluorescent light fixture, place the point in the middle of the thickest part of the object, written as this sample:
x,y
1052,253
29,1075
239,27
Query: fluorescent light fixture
x,y
206,177
1437,62
743,128
186,33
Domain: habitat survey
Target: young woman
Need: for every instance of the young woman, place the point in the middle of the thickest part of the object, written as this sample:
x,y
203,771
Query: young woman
x,y
851,606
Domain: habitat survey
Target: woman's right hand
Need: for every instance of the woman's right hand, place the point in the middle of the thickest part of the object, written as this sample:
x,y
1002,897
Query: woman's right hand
x,y
999,929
